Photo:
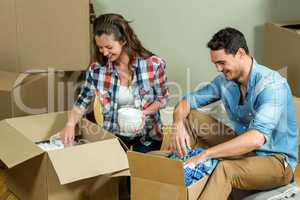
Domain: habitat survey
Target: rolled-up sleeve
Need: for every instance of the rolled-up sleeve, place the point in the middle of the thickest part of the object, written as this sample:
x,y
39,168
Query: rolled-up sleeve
x,y
204,95
87,91
159,84
271,104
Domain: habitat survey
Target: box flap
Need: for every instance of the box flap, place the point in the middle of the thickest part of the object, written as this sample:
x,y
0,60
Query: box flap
x,y
88,160
284,23
15,148
292,27
39,127
125,172
7,80
155,168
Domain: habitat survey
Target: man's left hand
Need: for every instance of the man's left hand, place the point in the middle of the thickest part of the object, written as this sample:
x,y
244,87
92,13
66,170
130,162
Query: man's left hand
x,y
196,160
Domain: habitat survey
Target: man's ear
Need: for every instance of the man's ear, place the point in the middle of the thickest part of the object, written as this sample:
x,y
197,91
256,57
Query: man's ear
x,y
240,53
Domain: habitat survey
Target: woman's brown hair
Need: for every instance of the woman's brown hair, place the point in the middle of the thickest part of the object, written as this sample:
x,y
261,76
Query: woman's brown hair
x,y
116,25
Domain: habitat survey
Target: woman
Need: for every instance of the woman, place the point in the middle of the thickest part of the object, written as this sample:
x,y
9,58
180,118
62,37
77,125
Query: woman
x,y
124,74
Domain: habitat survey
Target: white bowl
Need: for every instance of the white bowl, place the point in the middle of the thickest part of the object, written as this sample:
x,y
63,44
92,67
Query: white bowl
x,y
129,120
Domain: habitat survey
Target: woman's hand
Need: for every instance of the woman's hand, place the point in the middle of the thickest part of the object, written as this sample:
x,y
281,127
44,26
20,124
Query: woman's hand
x,y
141,127
67,135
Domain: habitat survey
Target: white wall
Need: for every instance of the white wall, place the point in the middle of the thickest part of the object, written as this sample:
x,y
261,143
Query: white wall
x,y
178,30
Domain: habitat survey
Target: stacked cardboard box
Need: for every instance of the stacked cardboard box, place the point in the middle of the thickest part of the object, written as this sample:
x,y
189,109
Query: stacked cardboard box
x,y
281,51
68,173
44,47
36,93
44,34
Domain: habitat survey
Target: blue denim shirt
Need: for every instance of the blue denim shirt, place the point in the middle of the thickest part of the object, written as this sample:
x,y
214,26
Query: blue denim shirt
x,y
267,108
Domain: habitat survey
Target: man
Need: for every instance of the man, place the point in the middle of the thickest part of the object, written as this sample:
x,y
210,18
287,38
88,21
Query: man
x,y
262,150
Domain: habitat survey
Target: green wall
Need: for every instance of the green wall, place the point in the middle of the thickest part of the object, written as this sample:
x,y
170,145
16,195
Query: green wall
x,y
178,30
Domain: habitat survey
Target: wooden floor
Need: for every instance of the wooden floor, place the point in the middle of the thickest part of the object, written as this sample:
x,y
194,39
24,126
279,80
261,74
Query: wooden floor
x,y
6,195
4,192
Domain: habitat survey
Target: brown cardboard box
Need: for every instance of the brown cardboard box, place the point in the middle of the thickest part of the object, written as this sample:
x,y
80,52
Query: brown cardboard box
x,y
281,51
36,93
160,178
297,107
67,174
40,34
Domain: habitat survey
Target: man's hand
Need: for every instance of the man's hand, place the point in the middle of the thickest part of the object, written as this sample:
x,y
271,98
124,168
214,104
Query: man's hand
x,y
179,139
196,160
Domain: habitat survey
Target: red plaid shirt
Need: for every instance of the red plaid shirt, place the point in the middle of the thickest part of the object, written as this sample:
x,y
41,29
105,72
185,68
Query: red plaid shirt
x,y
148,85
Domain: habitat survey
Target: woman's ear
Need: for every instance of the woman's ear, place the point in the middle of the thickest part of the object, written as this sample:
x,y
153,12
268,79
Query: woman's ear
x,y
123,42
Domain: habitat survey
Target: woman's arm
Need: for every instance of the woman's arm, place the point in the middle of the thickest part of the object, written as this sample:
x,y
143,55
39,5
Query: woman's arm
x,y
67,135
153,108
80,107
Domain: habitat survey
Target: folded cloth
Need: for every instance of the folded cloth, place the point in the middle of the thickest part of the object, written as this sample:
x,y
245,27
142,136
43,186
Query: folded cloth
x,y
55,143
192,175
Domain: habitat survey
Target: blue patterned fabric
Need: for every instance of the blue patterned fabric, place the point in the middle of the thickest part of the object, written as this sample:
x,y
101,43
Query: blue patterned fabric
x,y
195,174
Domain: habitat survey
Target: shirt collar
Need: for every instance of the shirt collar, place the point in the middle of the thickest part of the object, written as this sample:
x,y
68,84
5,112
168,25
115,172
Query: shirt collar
x,y
251,79
134,64
109,66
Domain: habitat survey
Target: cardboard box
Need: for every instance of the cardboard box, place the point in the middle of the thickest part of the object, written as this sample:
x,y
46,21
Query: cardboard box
x,y
281,51
67,174
40,34
297,107
160,178
36,93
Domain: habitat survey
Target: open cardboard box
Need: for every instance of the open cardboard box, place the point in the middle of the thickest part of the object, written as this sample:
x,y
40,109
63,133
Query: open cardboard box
x,y
67,174
160,178
37,93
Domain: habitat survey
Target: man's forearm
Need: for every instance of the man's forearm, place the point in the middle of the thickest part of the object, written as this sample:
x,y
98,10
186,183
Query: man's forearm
x,y
245,143
181,112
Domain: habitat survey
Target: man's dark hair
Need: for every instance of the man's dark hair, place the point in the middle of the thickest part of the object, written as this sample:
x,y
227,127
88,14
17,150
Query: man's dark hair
x,y
228,39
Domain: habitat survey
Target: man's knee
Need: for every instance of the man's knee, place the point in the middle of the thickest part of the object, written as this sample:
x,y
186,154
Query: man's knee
x,y
198,120
199,116
224,168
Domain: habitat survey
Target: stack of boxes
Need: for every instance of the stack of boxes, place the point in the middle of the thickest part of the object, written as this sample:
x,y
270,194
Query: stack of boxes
x,y
45,45
44,50
281,51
